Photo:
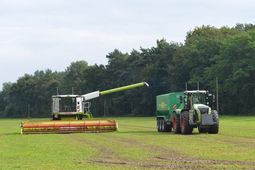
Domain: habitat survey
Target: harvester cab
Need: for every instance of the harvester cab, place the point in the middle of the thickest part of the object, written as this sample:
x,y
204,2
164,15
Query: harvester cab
x,y
187,110
70,106
78,107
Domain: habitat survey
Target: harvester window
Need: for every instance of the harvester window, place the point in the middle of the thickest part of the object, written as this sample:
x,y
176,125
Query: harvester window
x,y
68,104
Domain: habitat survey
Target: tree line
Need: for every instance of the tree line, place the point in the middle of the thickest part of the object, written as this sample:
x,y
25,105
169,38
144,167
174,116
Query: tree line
x,y
207,52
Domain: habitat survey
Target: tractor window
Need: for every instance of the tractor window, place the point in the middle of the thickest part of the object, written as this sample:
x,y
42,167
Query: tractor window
x,y
199,98
67,104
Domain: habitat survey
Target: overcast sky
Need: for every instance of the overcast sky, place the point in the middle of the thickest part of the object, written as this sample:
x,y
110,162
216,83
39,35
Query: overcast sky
x,y
41,34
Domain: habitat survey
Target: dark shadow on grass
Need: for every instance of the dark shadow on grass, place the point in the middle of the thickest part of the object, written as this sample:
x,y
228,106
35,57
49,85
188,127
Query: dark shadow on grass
x,y
138,132
155,133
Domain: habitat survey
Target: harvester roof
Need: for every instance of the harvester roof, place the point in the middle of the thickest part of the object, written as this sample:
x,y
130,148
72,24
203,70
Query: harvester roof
x,y
67,95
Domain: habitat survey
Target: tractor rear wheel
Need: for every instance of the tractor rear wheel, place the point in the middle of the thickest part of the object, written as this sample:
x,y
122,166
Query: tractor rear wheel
x,y
176,124
185,126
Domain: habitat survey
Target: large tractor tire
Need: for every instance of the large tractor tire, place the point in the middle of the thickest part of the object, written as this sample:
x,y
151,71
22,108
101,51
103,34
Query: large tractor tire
x,y
202,130
185,126
214,129
176,124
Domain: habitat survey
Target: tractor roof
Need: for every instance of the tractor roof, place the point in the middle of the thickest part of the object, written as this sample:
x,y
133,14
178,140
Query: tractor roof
x,y
195,91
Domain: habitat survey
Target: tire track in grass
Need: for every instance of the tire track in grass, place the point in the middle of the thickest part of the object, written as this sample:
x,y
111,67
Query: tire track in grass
x,y
178,160
162,158
169,159
104,154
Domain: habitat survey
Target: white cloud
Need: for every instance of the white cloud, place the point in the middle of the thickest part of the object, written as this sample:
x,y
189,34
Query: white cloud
x,y
52,33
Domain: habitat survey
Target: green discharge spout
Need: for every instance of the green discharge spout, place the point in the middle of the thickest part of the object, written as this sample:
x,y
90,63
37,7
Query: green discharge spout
x,y
124,88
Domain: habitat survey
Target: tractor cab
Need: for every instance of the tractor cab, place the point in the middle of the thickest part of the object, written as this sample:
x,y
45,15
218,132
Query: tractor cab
x,y
198,97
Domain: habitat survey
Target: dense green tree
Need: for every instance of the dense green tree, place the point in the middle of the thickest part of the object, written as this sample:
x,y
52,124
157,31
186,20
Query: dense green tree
x,y
207,53
235,68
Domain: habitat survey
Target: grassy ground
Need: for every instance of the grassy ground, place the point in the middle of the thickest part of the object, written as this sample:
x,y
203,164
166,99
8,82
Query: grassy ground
x,y
137,145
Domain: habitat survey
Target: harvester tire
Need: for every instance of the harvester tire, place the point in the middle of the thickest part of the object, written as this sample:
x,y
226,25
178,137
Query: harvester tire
x,y
78,117
185,126
214,129
56,118
176,124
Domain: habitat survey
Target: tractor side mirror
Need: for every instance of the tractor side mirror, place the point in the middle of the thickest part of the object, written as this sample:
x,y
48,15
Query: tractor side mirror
x,y
213,98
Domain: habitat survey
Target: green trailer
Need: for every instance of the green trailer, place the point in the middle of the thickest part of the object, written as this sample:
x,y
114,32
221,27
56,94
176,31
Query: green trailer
x,y
184,111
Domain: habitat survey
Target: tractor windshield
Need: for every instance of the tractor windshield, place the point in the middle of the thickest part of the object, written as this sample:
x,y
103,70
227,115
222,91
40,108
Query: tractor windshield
x,y
198,98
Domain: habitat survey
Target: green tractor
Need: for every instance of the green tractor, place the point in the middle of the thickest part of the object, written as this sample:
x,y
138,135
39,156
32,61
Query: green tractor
x,y
184,111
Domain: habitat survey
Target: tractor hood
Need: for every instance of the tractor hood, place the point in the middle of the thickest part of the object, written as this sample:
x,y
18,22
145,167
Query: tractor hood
x,y
202,109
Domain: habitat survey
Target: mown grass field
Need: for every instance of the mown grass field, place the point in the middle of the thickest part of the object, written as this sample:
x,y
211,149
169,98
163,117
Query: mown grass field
x,y
136,145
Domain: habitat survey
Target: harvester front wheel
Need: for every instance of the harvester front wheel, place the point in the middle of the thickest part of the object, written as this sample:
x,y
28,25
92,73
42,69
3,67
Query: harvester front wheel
x,y
176,124
56,117
78,117
185,126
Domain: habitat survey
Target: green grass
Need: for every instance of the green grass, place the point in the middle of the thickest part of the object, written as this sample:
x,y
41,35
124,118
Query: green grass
x,y
136,145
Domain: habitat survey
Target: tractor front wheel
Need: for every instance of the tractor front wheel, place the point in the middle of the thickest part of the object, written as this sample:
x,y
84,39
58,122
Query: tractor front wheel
x,y
214,129
202,130
185,126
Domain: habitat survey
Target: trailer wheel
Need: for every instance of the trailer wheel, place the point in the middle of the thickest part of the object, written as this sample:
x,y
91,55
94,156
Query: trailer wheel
x,y
176,124
168,128
185,127
162,125
158,125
